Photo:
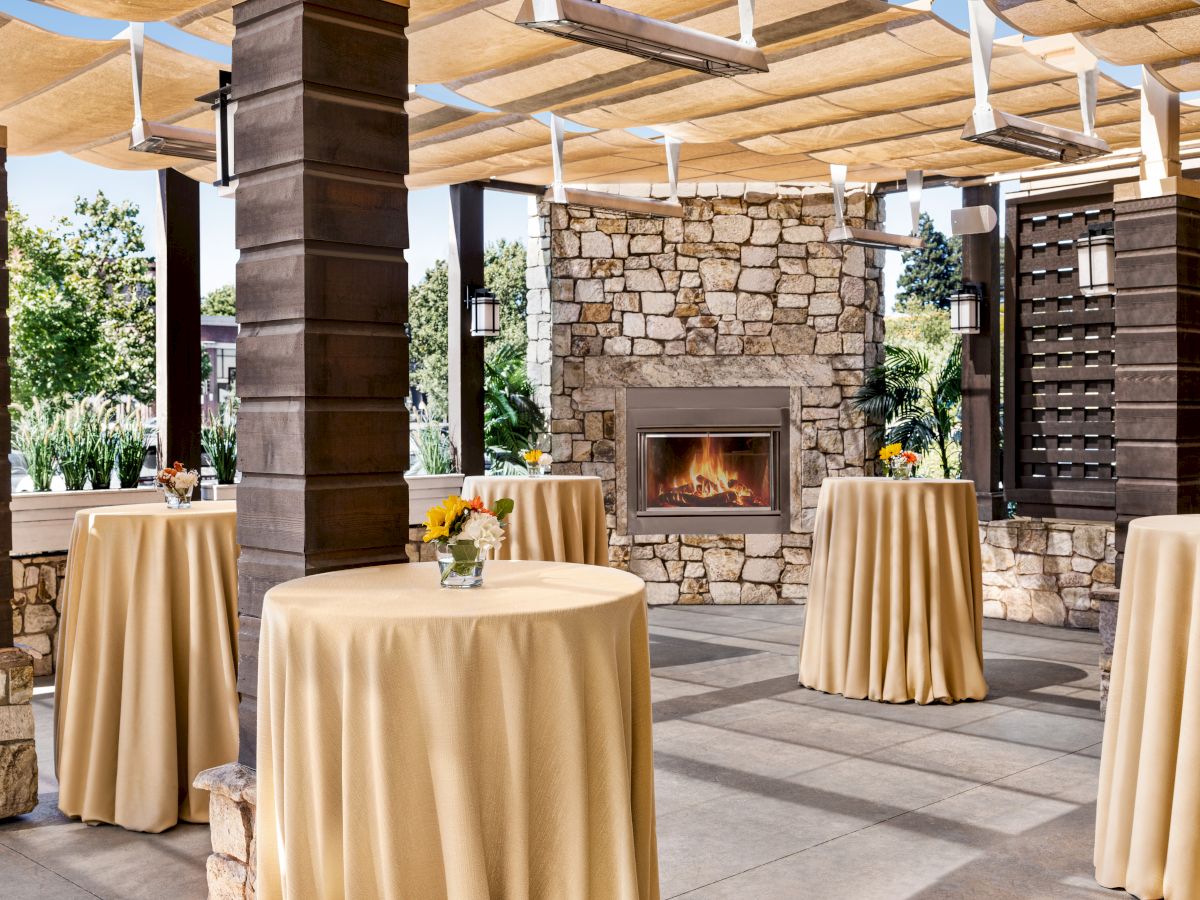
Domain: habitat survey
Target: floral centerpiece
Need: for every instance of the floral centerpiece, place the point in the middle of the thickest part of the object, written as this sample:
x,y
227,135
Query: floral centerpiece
x,y
901,463
537,462
177,484
465,531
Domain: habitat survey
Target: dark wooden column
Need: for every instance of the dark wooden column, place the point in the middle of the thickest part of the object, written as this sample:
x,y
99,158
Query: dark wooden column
x,y
6,585
981,451
465,360
322,297
177,315
1158,356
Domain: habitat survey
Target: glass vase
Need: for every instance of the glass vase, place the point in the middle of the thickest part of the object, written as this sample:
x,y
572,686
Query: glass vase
x,y
460,564
901,470
175,499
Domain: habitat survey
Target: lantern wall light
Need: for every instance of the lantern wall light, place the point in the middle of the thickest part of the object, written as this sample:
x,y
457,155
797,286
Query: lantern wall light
x,y
1097,260
484,309
966,308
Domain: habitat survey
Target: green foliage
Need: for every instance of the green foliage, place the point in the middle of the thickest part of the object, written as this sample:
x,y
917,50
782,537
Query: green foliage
x,y
433,449
932,274
219,302
218,439
33,438
72,446
503,508
512,419
130,444
918,404
82,304
96,426
504,275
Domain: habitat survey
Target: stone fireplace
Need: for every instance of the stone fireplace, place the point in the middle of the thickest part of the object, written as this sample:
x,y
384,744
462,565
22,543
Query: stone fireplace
x,y
707,460
703,368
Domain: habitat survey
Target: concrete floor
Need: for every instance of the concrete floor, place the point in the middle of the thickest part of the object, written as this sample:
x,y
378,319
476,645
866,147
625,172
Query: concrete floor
x,y
765,790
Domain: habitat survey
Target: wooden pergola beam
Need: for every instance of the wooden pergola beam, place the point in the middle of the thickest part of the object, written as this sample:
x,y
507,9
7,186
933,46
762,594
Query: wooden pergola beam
x,y
465,358
177,319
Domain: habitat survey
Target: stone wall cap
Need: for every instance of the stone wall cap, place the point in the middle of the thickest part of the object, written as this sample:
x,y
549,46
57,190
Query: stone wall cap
x,y
233,780
14,657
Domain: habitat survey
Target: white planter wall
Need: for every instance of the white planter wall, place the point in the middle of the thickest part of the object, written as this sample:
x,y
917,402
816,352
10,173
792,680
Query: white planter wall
x,y
425,491
42,521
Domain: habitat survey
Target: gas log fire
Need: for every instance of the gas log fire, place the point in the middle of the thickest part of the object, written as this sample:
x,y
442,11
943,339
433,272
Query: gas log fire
x,y
707,460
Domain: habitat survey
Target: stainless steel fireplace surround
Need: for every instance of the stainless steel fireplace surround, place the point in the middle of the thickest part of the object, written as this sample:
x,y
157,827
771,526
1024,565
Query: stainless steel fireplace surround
x,y
707,460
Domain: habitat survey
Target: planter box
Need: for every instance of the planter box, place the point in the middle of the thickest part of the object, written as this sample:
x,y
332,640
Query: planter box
x,y
218,492
41,522
425,491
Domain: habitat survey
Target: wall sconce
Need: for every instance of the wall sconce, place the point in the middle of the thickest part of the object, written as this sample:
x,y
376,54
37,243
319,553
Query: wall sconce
x,y
485,313
1097,260
966,308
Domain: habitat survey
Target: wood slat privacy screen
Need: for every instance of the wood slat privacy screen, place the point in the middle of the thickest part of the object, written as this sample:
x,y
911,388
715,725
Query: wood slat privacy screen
x,y
1059,434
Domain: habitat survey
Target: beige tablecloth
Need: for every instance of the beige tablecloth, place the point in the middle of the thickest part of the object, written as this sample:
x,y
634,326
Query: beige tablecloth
x,y
895,605
1148,805
423,743
558,518
146,687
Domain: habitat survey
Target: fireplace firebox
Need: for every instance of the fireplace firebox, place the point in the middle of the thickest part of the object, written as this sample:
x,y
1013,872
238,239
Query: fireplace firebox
x,y
707,460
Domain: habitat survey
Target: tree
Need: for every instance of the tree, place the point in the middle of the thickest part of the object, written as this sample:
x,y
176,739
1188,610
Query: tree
x,y
931,274
504,276
219,302
82,304
918,405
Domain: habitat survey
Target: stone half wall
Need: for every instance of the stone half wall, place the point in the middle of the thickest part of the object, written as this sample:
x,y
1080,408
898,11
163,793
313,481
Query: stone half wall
x,y
742,292
36,605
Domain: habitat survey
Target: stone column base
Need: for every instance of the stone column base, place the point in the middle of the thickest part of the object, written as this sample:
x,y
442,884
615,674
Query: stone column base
x,y
1106,600
233,795
18,755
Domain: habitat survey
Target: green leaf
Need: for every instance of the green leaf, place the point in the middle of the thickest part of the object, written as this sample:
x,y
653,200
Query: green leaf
x,y
503,508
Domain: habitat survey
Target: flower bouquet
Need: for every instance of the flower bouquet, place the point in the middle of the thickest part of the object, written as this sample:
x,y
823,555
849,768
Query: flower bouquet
x,y
537,462
177,484
464,532
901,463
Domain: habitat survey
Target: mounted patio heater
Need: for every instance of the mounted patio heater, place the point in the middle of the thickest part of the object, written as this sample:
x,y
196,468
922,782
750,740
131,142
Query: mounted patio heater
x,y
841,233
161,137
591,22
1016,133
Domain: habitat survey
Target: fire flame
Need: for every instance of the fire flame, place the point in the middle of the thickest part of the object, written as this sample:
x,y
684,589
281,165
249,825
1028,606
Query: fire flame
x,y
708,479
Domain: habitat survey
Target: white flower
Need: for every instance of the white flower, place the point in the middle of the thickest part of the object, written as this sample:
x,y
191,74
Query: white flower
x,y
485,530
183,482
546,460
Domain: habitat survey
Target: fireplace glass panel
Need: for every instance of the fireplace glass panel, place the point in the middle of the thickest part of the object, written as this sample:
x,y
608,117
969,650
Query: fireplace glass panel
x,y
708,471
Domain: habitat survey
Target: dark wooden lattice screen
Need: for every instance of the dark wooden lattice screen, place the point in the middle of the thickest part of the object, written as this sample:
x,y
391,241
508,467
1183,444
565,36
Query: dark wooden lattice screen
x,y
1060,439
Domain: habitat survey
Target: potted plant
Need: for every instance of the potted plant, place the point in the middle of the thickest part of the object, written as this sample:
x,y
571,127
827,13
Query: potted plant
x,y
218,439
435,478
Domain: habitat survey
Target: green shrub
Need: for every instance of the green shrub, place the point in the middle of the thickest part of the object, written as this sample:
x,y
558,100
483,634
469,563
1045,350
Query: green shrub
x,y
72,446
218,438
33,437
129,430
96,416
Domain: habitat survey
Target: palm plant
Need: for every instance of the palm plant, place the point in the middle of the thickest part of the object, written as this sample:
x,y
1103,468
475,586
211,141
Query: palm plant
x,y
915,405
433,449
33,438
512,419
218,439
130,444
72,446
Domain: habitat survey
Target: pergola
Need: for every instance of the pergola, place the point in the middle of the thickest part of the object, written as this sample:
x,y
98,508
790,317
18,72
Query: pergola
x,y
330,136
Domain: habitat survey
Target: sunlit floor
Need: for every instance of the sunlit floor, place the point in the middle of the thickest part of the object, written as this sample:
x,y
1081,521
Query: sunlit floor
x,y
765,790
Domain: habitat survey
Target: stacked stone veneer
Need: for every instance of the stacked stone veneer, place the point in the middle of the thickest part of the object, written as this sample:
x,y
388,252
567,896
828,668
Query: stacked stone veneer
x,y
1046,571
742,292
18,755
232,802
36,604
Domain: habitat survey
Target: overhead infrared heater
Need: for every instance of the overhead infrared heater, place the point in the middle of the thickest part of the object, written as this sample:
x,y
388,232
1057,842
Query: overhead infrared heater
x,y
161,137
559,192
841,233
591,22
1018,134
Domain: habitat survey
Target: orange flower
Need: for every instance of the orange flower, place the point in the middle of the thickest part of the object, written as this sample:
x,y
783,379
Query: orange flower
x,y
177,466
476,505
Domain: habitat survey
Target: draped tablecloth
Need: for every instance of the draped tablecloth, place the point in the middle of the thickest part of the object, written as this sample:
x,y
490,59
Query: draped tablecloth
x,y
1148,805
895,605
145,695
420,742
558,518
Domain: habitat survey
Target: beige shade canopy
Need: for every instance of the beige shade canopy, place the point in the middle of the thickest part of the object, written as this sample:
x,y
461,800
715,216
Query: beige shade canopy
x,y
879,87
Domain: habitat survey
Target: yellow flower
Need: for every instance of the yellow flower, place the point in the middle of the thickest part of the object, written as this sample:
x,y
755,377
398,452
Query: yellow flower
x,y
890,451
532,457
435,524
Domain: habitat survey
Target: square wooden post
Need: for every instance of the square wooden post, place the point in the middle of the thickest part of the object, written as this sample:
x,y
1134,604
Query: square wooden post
x,y
6,585
322,287
177,319
465,361
981,431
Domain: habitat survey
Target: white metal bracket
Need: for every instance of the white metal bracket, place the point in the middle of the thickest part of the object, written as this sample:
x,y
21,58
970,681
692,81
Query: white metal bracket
x,y
673,146
746,21
837,175
556,149
137,49
983,34
1089,82
1160,129
915,180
